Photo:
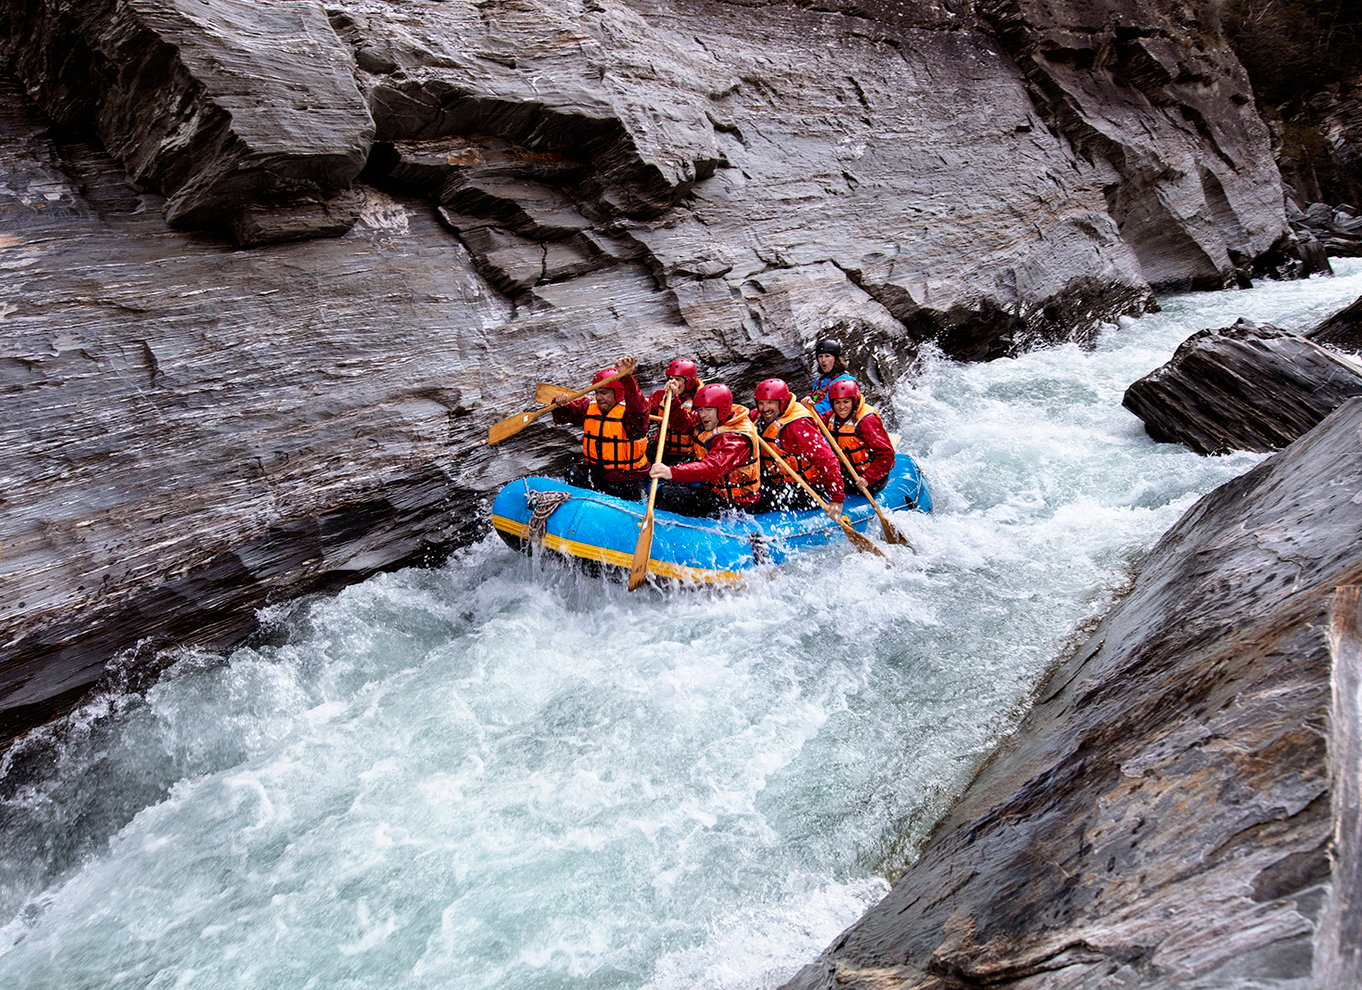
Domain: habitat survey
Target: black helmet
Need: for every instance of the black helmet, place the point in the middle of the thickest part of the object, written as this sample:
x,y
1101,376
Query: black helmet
x,y
828,346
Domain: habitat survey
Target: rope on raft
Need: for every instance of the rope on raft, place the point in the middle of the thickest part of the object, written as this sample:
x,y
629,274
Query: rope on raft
x,y
542,505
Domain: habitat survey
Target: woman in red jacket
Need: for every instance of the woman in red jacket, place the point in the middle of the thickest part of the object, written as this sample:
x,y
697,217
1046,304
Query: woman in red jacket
x,y
859,431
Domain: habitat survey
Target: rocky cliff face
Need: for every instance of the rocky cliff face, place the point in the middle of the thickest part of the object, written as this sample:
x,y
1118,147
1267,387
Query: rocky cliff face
x,y
269,269
1180,808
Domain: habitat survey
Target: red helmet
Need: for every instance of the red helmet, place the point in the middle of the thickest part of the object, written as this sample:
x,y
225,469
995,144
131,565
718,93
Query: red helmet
x,y
681,368
615,386
844,389
774,388
714,396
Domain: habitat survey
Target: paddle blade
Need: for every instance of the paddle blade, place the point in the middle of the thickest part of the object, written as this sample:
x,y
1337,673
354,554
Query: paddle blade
x,y
638,572
860,541
544,393
892,534
510,426
890,531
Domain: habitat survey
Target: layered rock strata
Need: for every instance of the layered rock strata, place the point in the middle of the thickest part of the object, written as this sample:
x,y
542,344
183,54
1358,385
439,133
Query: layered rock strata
x,y
243,113
1180,808
1342,331
452,201
1251,386
1337,230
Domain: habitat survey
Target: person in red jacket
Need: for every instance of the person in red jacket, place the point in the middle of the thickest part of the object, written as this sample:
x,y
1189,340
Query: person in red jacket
x,y
683,381
725,473
859,431
614,422
788,426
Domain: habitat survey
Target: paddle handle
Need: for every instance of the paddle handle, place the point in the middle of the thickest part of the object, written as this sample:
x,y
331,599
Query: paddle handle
x,y
574,396
638,568
512,425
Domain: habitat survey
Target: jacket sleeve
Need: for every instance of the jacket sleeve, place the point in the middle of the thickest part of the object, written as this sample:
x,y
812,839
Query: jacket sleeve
x,y
574,413
726,452
682,420
873,435
822,405
635,409
814,446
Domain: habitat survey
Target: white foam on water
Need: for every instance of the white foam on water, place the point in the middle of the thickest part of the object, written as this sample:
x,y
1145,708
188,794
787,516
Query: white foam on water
x,y
502,773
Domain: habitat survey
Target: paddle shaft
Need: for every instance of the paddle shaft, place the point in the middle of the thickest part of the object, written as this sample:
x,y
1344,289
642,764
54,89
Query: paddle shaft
x,y
512,425
859,540
638,571
890,531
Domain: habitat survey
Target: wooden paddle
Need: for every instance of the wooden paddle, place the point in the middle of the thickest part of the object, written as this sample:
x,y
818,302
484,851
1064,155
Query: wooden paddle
x,y
544,393
638,571
512,425
860,541
891,533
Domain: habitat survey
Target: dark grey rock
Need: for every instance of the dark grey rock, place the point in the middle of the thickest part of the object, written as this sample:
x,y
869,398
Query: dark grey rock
x,y
1342,331
239,111
1180,807
1247,387
1337,232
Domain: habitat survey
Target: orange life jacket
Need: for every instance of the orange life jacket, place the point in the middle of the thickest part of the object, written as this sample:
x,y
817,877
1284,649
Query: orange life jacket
x,y
844,432
743,483
604,441
802,463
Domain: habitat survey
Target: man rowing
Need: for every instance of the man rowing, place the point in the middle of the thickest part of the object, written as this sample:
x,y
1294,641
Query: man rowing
x,y
683,381
614,422
788,426
859,431
725,472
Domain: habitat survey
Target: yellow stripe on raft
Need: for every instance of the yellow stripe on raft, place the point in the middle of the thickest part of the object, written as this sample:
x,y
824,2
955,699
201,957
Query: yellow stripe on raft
x,y
660,568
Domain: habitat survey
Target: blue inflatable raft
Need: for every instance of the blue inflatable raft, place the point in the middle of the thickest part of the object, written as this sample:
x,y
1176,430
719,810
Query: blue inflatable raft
x,y
603,530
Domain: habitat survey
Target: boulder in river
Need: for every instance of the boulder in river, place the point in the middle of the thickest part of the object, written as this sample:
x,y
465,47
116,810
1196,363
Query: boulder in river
x,y
1181,806
1251,386
1342,331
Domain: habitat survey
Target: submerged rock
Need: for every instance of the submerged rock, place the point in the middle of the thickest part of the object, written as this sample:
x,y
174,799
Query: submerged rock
x,y
1180,808
1251,386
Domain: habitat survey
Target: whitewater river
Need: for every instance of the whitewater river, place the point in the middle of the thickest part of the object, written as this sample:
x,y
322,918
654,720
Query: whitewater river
x,y
499,774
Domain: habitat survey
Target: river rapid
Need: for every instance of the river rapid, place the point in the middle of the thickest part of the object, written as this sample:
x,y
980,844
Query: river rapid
x,y
503,774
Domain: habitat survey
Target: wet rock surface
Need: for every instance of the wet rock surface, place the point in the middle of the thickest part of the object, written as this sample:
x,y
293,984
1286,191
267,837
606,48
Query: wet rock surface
x,y
1180,807
1251,386
449,202
1336,229
1342,331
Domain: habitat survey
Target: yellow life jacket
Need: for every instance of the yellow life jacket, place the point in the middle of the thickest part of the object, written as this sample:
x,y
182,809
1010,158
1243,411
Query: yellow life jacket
x,y
802,463
844,432
604,441
743,484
